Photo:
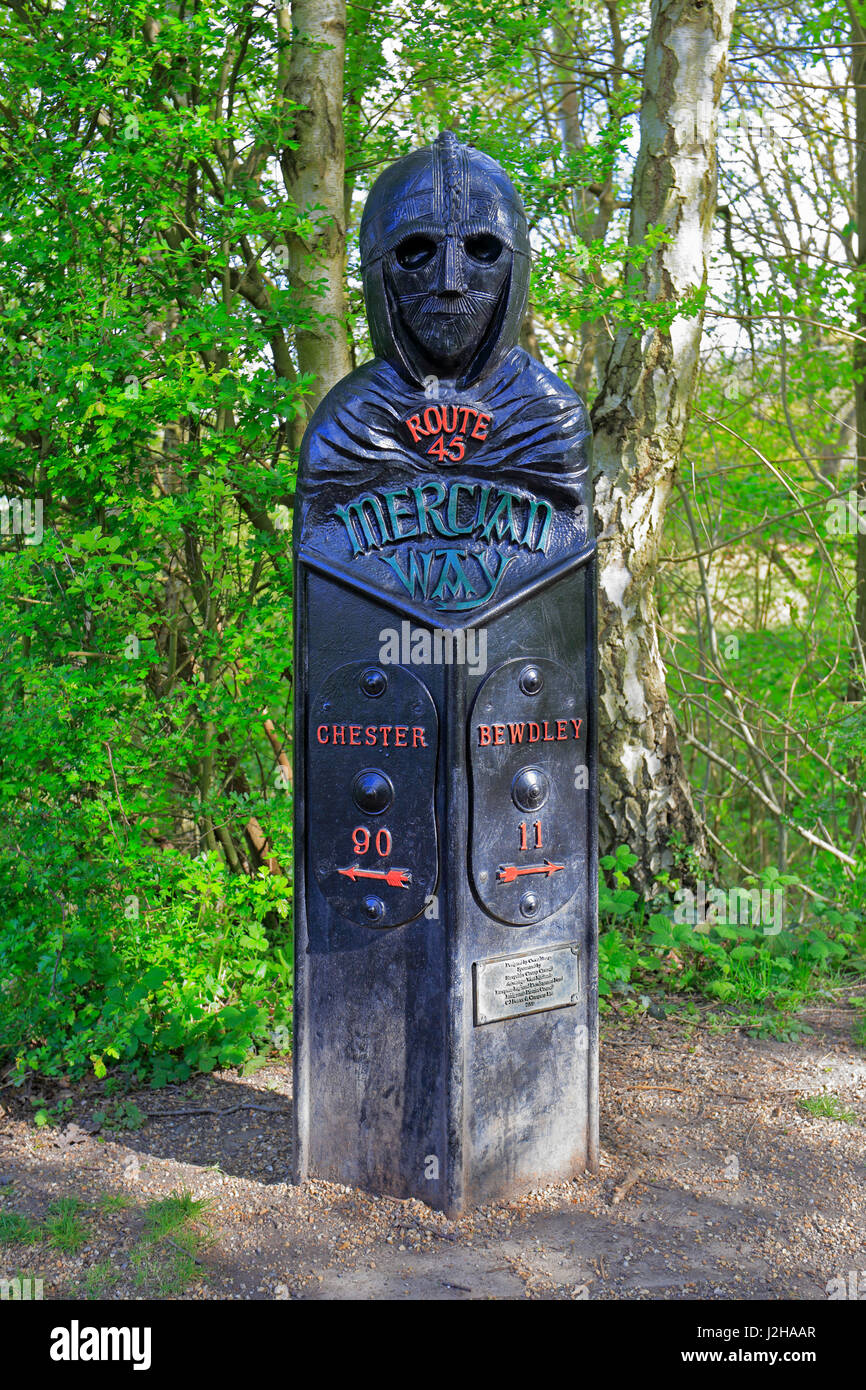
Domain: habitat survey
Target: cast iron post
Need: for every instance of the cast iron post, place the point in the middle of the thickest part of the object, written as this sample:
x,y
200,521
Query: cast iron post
x,y
445,834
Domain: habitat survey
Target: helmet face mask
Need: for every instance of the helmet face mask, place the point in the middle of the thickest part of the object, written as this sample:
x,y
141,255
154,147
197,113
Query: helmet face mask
x,y
444,252
446,291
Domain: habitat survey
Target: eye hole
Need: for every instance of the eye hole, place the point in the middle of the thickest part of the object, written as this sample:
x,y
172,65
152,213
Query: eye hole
x,y
485,249
415,252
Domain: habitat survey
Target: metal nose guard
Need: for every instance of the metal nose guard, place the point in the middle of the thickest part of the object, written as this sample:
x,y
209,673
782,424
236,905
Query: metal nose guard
x,y
450,279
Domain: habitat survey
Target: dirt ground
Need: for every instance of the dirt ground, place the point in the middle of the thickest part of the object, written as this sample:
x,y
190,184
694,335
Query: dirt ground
x,y
715,1184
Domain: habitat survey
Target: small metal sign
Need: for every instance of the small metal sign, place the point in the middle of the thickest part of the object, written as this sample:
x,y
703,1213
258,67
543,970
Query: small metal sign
x,y
527,747
371,758
527,983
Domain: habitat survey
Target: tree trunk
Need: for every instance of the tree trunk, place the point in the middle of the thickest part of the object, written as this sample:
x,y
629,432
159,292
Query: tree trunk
x,y
314,173
640,419
858,40
856,689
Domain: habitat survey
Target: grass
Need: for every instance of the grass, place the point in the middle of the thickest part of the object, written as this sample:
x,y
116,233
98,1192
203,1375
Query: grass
x,y
64,1226
100,1278
172,1213
827,1107
164,1273
16,1229
166,1259
114,1201
175,1234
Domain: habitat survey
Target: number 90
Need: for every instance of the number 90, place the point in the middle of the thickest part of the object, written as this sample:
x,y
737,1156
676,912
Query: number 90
x,y
361,841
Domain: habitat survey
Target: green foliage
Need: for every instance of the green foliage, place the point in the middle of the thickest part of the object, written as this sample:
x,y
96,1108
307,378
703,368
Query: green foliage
x,y
515,80
145,635
176,1233
50,1115
16,1229
123,1114
172,1213
64,1226
165,1259
100,1279
187,986
758,581
745,949
827,1107
114,1201
763,1022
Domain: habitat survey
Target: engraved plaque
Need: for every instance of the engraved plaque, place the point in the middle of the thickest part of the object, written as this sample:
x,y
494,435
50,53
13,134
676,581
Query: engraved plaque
x,y
527,983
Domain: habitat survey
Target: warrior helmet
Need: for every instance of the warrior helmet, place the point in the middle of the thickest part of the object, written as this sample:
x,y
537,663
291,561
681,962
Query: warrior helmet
x,y
445,262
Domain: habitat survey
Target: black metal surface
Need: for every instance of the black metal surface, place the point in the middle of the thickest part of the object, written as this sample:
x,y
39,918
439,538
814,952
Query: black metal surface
x,y
444,486
431,313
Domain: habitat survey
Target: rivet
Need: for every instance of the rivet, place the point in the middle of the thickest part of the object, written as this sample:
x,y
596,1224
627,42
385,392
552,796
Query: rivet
x,y
374,908
374,682
530,789
531,680
372,791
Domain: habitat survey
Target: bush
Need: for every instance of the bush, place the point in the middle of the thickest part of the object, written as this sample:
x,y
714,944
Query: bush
x,y
665,943
161,966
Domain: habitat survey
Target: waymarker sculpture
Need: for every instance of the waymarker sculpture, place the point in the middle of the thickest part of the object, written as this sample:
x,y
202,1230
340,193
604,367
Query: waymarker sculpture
x,y
445,838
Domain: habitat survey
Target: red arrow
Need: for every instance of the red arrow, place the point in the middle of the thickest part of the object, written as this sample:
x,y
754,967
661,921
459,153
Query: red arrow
x,y
397,878
509,872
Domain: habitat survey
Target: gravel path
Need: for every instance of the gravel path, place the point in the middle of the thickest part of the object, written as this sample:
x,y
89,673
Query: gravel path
x,y
715,1183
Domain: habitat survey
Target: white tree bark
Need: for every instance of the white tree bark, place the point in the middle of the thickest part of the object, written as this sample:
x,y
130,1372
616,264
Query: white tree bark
x,y
640,418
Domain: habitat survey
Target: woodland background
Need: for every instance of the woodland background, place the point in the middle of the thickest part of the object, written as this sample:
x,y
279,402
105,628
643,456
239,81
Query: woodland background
x,y
180,192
